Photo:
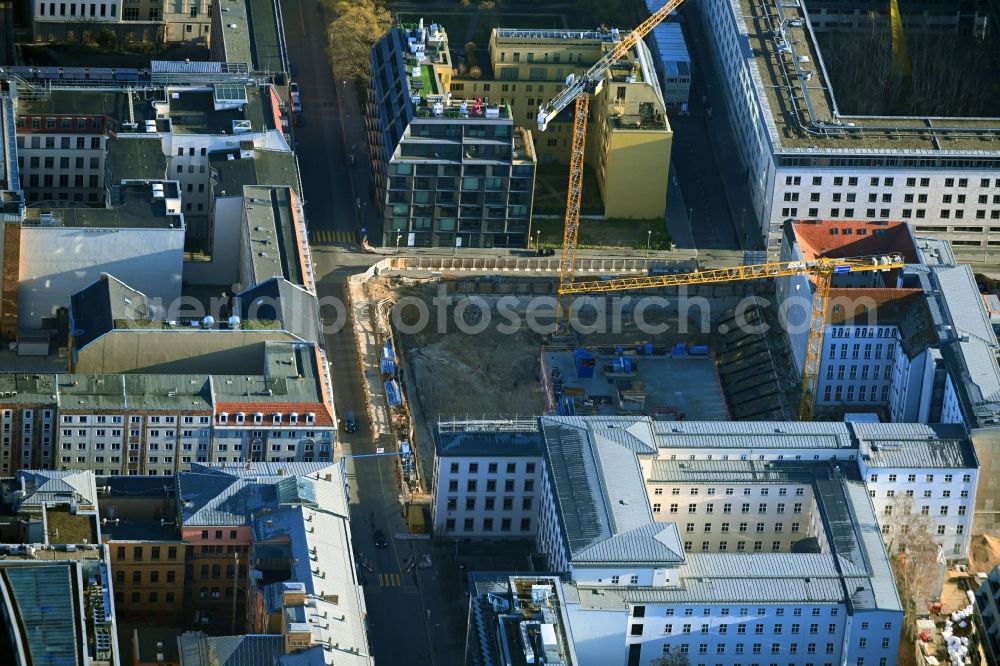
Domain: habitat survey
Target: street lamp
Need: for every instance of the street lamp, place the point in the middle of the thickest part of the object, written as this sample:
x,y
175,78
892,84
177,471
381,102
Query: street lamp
x,y
236,573
649,239
398,237
538,238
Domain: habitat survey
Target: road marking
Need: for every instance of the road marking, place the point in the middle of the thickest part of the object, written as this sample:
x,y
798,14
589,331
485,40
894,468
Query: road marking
x,y
389,579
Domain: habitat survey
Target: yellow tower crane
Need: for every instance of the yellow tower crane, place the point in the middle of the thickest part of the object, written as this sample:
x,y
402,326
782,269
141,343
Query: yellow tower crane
x,y
579,90
822,270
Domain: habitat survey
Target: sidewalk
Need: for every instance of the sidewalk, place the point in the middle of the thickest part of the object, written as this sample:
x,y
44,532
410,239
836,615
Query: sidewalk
x,y
352,126
720,131
370,350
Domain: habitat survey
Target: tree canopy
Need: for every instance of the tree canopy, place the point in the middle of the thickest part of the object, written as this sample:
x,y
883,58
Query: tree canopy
x,y
356,26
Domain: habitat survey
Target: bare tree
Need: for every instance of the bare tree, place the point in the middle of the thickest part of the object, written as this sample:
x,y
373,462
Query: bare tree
x,y
356,26
672,659
915,554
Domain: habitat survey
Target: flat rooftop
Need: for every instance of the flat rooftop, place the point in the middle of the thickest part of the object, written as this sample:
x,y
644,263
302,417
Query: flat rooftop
x,y
226,109
804,116
678,388
136,207
231,173
270,221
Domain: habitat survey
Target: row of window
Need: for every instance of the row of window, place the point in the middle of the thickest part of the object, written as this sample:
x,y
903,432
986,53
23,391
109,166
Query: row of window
x,y
912,478
491,485
890,181
837,393
469,525
866,370
744,527
758,629
856,351
49,162
763,490
493,468
728,508
489,503
86,418
886,213
756,648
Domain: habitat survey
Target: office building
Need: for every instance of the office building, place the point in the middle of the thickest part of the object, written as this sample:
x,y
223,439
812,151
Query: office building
x,y
450,170
804,157
494,499
629,136
155,21
742,547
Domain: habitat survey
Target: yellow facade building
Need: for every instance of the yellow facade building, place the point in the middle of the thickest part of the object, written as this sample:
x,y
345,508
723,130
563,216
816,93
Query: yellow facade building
x,y
629,137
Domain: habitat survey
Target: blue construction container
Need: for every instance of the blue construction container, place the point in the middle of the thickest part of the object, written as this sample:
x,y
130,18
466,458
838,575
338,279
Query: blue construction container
x,y
388,367
621,364
392,393
698,350
388,353
649,348
585,363
678,350
567,406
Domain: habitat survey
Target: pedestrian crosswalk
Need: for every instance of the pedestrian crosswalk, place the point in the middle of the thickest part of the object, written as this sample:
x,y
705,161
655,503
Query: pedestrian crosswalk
x,y
390,579
330,236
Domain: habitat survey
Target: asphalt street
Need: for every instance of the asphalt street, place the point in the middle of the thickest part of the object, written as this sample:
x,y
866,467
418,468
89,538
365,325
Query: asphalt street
x,y
399,624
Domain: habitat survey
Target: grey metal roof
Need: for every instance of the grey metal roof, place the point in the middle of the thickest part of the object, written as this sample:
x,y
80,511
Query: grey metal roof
x,y
95,308
901,445
766,565
967,341
60,486
735,471
751,434
599,490
277,299
135,157
777,589
450,441
658,543
227,494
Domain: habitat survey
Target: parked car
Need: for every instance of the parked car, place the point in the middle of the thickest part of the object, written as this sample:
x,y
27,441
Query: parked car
x,y
381,541
350,422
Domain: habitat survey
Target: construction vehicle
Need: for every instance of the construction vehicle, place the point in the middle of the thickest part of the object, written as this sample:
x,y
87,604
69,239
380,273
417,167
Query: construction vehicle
x,y
821,270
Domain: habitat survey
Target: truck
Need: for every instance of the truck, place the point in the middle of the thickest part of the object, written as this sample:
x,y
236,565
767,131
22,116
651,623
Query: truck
x,y
415,519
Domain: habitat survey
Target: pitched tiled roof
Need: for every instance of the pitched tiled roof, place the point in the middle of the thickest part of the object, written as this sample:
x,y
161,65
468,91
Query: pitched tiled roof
x,y
270,410
854,238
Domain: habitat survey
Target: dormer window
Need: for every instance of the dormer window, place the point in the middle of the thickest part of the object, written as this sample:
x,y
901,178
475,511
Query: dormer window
x,y
240,417
258,417
293,418
310,417
223,417
276,417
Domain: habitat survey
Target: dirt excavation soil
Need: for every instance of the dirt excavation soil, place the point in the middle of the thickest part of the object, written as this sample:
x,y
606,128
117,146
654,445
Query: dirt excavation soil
x,y
984,553
464,375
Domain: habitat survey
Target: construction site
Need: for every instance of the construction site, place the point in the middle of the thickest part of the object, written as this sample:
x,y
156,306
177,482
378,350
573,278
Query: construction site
x,y
701,365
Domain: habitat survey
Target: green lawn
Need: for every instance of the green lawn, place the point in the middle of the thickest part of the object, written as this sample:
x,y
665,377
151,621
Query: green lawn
x,y
630,234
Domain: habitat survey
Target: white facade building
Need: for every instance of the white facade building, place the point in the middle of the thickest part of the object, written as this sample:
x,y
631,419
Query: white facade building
x,y
488,480
637,591
927,471
818,163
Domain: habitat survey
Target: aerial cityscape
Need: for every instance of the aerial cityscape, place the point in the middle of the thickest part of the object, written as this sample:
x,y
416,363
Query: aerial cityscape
x,y
497,333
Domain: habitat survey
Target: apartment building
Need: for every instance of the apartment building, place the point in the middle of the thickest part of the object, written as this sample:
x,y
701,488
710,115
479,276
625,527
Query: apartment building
x,y
988,605
820,163
290,524
143,423
490,499
450,169
629,136
127,20
147,554
758,580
